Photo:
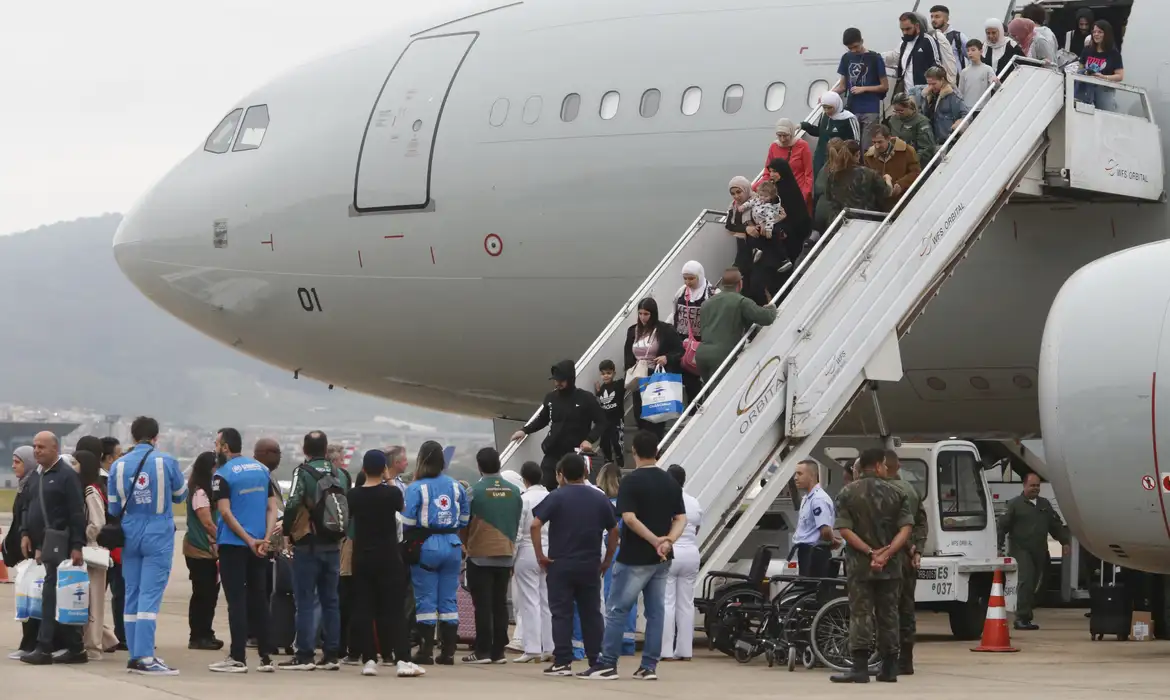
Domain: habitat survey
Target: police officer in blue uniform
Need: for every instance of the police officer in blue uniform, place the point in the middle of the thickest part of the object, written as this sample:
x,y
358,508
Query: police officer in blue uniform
x,y
144,483
812,542
436,509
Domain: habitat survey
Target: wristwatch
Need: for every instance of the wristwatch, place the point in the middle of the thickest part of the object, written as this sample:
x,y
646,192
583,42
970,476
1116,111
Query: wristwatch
x,y
870,553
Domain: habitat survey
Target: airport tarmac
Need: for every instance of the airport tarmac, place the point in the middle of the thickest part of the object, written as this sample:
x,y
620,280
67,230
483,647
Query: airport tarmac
x,y
1058,660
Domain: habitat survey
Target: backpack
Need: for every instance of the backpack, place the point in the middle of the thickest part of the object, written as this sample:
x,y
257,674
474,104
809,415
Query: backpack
x,y
956,38
327,505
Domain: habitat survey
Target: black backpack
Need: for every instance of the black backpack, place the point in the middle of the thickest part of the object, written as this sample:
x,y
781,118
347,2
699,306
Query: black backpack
x,y
328,507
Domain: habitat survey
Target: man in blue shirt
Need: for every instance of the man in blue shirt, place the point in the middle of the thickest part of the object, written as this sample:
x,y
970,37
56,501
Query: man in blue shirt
x,y
144,483
863,83
247,500
814,526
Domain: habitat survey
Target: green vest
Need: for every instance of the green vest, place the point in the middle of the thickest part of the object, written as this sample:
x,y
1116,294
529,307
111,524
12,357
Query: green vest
x,y
196,536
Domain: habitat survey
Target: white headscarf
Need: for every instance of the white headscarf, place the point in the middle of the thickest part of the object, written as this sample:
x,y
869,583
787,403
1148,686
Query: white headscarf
x,y
693,267
994,23
832,99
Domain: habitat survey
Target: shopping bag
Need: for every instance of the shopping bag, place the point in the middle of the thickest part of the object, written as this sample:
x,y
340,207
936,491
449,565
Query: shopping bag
x,y
72,595
662,397
97,557
34,580
20,574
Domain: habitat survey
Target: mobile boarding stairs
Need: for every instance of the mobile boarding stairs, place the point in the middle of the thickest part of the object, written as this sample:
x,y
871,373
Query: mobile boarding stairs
x,y
865,281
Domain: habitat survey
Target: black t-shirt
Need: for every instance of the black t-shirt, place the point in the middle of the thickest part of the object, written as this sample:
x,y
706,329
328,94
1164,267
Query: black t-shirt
x,y
1101,62
576,515
375,529
655,498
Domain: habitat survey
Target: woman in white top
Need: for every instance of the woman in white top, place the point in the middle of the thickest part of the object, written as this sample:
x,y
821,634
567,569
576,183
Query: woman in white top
x,y
96,635
679,613
533,613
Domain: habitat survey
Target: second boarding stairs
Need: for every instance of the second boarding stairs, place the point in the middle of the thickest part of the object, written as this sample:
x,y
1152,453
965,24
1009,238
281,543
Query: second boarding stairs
x,y
869,276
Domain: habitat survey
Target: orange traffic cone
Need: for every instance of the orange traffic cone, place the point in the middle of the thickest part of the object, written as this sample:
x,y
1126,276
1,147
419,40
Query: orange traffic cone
x,y
4,573
995,626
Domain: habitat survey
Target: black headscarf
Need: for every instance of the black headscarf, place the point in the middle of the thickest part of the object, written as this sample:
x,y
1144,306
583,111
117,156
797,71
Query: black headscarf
x,y
797,222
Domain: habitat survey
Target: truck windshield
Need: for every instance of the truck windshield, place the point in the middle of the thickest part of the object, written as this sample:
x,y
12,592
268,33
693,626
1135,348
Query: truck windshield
x,y
962,498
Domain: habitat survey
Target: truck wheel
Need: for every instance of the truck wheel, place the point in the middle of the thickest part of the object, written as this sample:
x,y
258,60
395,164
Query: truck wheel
x,y
967,617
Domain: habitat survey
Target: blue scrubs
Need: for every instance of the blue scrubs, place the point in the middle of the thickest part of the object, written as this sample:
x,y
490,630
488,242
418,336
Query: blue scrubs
x,y
437,504
629,641
144,504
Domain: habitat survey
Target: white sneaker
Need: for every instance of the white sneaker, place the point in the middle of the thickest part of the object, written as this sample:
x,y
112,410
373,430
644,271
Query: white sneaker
x,y
16,655
265,666
527,658
228,665
407,669
370,669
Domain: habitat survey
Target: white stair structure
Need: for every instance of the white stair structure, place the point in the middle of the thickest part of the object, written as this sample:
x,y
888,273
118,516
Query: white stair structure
x,y
867,279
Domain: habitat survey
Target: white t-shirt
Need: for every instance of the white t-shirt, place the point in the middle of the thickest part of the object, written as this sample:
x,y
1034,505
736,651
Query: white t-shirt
x,y
689,539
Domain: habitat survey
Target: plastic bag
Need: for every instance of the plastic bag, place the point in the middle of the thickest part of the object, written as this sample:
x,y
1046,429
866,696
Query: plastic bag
x,y
31,584
662,397
72,595
20,574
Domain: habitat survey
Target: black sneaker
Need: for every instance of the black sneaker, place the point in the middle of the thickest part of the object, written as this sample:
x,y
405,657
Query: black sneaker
x,y
208,644
559,670
38,657
474,658
645,674
72,657
599,673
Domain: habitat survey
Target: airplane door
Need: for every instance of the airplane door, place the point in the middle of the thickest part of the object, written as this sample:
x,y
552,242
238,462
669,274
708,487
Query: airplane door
x,y
394,165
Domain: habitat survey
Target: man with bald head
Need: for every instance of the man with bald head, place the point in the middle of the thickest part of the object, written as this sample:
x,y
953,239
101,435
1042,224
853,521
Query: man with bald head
x,y
56,505
724,318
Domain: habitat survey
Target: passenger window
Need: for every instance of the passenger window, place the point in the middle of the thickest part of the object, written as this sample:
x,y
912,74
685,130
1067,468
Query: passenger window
x,y
691,99
609,104
914,471
962,503
650,102
570,106
253,129
733,99
818,88
499,113
220,139
532,107
774,97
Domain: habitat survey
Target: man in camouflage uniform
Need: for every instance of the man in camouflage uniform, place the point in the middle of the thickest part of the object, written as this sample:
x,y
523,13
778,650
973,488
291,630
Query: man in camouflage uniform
x,y
875,519
1029,519
906,625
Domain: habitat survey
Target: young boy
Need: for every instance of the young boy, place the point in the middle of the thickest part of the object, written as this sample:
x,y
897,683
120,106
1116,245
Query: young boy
x,y
977,76
611,394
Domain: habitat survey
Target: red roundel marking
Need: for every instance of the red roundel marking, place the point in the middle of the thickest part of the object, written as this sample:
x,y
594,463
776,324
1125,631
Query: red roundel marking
x,y
1148,483
493,244
1166,482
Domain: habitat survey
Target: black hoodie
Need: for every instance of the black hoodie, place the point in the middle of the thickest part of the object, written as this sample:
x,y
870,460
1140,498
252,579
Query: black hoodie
x,y
573,415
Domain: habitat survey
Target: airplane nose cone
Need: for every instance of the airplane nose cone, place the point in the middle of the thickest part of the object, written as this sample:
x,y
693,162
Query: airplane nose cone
x,y
130,243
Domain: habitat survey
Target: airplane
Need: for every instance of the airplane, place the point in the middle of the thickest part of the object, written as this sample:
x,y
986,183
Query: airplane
x,y
481,191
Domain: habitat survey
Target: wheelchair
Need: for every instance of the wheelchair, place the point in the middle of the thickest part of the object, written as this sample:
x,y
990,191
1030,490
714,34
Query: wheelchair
x,y
806,622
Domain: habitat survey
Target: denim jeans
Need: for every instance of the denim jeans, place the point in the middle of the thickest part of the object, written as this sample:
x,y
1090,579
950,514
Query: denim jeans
x,y
316,572
628,582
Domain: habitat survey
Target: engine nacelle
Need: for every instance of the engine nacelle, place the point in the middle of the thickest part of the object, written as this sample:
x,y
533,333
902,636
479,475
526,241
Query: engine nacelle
x,y
1105,405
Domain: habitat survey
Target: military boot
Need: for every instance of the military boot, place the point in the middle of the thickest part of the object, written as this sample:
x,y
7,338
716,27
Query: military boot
x,y
858,674
448,640
906,660
425,656
889,671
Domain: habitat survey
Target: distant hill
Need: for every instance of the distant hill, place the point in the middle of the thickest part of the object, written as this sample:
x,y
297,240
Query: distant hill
x,y
69,317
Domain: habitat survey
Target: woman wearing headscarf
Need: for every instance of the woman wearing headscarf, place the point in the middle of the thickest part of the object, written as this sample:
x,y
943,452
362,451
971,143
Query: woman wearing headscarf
x,y
835,122
97,635
1000,49
740,223
24,465
656,344
1035,41
794,223
798,155
690,297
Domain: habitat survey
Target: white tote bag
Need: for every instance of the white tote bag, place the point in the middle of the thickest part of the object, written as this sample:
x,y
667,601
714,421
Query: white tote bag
x,y
97,557
72,595
662,397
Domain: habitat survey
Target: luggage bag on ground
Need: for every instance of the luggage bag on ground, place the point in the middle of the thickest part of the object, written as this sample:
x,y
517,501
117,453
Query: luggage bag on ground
x,y
1110,608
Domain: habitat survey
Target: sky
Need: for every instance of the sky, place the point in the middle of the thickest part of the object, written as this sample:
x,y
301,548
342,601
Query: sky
x,y
100,99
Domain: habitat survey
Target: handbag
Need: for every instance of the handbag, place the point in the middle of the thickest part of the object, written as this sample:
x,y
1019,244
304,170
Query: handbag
x,y
690,345
111,535
55,544
639,371
97,557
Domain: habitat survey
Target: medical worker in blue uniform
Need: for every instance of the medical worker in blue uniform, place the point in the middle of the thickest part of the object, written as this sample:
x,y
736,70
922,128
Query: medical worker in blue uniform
x,y
144,484
436,509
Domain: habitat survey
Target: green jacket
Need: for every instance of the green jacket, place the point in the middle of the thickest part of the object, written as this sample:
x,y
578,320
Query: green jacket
x,y
917,131
495,517
724,318
296,521
1029,525
918,533
875,510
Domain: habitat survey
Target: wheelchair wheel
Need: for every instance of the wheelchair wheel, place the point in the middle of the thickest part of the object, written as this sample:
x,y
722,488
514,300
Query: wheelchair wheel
x,y
808,659
791,659
829,635
725,624
743,656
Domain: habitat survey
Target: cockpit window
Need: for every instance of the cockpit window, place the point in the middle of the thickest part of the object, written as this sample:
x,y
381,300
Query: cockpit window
x,y
221,138
253,130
